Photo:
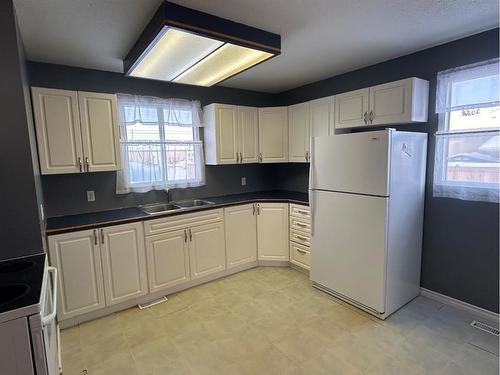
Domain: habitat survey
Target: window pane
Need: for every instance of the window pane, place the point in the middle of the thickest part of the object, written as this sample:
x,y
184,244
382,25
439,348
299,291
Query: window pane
x,y
139,132
473,159
179,133
475,119
473,91
144,163
180,162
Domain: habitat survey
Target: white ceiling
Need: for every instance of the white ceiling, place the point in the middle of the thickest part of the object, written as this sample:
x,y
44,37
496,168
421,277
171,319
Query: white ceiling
x,y
320,38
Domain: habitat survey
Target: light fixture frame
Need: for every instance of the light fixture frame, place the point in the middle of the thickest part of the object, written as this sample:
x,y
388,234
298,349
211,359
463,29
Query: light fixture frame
x,y
189,20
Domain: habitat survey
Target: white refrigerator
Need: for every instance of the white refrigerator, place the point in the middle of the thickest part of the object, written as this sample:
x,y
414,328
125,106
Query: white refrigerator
x,y
367,201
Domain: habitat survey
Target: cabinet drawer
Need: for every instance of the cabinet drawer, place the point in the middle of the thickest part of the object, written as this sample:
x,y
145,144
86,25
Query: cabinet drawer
x,y
300,255
301,224
300,237
176,222
300,211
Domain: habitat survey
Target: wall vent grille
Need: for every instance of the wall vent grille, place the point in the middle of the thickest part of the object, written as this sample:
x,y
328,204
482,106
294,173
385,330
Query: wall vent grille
x,y
485,327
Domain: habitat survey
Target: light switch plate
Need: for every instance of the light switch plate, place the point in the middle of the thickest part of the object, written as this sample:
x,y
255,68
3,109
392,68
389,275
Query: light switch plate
x,y
90,195
243,181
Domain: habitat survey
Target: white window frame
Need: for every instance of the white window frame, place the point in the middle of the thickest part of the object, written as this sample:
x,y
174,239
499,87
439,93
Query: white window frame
x,y
124,185
466,190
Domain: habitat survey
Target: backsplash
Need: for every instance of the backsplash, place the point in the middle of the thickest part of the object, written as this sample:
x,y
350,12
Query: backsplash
x,y
66,194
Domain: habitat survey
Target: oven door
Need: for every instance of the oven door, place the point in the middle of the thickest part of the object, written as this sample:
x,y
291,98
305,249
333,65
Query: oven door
x,y
46,350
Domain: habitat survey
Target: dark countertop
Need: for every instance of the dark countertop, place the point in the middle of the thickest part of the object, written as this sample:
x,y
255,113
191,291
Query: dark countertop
x,y
21,282
63,224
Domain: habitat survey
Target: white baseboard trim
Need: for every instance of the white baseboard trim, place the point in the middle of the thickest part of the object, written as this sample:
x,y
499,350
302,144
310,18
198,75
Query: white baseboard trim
x,y
479,312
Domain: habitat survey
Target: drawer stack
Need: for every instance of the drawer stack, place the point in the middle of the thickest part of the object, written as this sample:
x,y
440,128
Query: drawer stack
x,y
300,235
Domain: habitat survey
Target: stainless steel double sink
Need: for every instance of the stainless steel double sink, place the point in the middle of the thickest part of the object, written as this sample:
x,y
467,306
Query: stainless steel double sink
x,y
160,208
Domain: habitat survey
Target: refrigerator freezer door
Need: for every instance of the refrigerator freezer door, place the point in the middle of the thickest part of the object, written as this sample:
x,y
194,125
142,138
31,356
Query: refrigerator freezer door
x,y
353,163
348,247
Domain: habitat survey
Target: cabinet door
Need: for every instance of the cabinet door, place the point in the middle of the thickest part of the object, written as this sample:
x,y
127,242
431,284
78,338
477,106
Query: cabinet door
x,y
168,259
390,103
15,348
351,108
272,231
100,135
273,135
241,234
77,256
207,250
298,132
58,132
227,133
321,114
248,134
123,262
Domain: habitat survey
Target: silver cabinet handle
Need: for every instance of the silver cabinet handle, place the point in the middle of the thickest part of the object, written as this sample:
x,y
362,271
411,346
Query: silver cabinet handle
x,y
190,235
185,235
50,317
237,158
371,116
253,209
95,237
241,157
302,212
80,166
301,225
260,157
301,237
365,117
307,155
301,251
258,209
102,236
87,163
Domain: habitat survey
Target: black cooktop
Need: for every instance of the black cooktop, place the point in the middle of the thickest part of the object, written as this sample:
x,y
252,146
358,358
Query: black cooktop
x,y
21,282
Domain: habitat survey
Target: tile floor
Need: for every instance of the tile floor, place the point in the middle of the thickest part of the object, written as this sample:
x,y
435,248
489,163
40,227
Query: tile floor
x,y
271,321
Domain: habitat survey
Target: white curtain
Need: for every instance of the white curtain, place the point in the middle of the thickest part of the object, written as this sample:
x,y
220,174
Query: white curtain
x,y
160,146
467,155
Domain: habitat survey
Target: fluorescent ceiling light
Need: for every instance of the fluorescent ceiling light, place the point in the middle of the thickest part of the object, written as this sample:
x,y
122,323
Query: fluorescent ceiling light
x,y
221,64
183,45
174,52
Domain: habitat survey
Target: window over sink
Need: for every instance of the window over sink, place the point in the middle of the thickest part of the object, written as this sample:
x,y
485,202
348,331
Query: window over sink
x,y
160,144
467,160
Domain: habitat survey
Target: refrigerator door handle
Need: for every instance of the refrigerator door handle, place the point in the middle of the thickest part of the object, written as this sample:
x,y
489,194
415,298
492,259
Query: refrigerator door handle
x,y
311,180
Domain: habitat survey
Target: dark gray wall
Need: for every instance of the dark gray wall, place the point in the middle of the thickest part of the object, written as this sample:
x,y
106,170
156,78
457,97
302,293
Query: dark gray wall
x,y
20,225
66,194
461,238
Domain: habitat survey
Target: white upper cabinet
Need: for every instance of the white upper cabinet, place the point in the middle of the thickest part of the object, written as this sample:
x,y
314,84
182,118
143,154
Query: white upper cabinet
x,y
273,134
123,262
76,131
298,132
321,116
399,102
403,101
58,130
230,134
248,134
241,234
351,108
100,136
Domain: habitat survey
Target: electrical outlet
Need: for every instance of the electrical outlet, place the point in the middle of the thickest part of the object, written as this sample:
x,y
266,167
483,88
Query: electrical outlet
x,y
90,195
243,181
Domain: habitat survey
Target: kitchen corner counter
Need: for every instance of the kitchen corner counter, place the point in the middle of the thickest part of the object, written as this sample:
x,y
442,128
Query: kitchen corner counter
x,y
63,224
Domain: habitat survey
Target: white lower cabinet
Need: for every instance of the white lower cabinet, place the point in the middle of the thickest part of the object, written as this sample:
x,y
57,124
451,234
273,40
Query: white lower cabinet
x,y
168,259
207,251
123,262
272,229
98,267
77,256
241,235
